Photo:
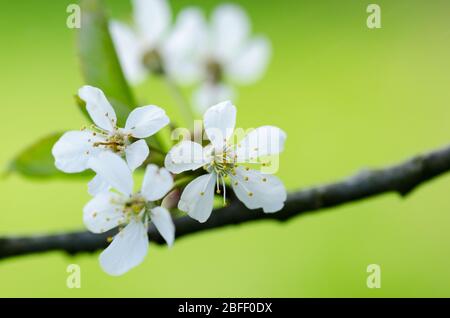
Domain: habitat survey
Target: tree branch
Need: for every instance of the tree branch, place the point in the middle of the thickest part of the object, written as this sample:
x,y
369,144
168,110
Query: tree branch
x,y
401,178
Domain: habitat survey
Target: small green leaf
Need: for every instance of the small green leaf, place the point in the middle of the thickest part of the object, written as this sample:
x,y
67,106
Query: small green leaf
x,y
99,62
37,160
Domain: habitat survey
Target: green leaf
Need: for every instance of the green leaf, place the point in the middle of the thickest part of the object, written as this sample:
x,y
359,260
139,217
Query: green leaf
x,y
37,160
99,62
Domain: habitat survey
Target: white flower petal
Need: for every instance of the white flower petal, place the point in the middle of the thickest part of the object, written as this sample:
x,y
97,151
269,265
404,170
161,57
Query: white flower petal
x,y
197,198
184,48
136,153
98,107
263,141
73,150
114,170
145,121
127,250
157,182
186,155
164,224
257,190
209,94
103,212
129,52
230,27
152,19
273,206
251,62
97,185
219,122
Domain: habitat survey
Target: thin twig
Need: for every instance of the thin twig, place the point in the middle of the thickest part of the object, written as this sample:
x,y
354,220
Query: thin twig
x,y
401,178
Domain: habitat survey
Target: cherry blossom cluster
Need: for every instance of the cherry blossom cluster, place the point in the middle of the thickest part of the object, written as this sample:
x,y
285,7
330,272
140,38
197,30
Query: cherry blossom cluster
x,y
114,153
189,51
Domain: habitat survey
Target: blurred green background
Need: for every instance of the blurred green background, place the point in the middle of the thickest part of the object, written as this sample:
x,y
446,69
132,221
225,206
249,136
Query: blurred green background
x,y
348,98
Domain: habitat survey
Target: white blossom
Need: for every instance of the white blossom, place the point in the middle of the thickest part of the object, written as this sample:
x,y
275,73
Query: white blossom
x,y
222,159
74,149
132,211
225,50
151,43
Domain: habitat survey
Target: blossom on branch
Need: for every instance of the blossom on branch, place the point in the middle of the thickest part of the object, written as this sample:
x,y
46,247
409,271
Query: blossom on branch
x,y
130,210
222,159
74,149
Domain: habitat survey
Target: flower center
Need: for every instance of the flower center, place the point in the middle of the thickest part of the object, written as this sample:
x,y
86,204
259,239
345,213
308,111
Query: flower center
x,y
214,71
153,61
115,142
135,205
223,162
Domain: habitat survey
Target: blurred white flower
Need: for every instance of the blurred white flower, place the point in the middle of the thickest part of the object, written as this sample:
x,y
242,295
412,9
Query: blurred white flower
x,y
127,209
152,44
224,50
209,93
74,149
222,159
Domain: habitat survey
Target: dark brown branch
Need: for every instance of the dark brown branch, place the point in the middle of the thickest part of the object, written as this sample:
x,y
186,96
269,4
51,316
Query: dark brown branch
x,y
401,178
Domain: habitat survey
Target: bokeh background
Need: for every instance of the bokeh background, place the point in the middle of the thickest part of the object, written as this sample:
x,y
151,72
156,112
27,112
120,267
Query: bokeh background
x,y
348,98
